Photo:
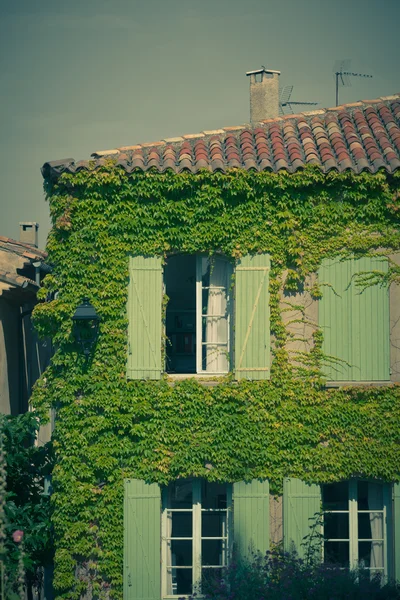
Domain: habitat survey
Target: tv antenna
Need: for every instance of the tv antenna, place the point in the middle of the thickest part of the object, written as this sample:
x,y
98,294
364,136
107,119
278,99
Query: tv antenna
x,y
343,74
286,103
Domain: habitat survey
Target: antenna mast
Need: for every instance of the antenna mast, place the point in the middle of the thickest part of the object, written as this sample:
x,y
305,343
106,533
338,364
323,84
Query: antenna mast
x,y
342,74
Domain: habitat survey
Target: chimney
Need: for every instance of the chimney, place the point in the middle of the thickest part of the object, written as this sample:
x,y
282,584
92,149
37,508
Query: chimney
x,y
28,233
264,94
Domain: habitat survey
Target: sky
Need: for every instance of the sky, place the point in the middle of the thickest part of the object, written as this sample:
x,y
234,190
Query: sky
x,y
78,76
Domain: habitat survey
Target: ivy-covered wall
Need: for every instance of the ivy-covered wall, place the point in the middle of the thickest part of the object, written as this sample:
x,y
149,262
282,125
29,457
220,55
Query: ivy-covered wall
x,y
108,428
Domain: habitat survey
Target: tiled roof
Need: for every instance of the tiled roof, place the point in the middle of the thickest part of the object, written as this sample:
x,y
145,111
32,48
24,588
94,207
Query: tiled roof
x,y
360,136
24,250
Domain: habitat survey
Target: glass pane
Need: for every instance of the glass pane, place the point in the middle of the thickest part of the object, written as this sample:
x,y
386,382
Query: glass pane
x,y
215,359
181,524
337,552
370,496
179,553
180,494
370,554
179,581
213,524
213,495
213,552
370,526
335,496
336,525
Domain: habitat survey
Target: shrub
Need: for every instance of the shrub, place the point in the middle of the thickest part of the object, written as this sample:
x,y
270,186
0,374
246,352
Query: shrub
x,y
284,576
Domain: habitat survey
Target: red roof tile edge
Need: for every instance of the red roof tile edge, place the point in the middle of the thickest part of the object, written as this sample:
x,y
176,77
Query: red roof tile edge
x,y
333,138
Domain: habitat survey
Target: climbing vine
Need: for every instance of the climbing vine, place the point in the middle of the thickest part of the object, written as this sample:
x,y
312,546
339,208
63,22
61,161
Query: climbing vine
x,y
108,428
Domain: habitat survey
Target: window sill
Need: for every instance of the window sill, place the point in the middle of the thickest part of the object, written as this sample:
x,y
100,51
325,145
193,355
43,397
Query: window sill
x,y
339,384
210,380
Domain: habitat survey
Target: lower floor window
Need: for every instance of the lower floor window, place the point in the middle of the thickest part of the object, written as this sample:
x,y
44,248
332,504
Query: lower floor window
x,y
355,517
195,533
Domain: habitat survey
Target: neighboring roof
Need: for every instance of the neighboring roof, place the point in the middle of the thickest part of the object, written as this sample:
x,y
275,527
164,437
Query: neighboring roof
x,y
25,250
359,136
17,262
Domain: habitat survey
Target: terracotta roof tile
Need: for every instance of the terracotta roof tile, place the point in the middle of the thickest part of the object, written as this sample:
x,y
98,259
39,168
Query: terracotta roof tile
x,y
356,136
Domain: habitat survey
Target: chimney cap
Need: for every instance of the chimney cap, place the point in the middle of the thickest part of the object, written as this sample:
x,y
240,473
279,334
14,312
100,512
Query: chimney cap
x,y
262,70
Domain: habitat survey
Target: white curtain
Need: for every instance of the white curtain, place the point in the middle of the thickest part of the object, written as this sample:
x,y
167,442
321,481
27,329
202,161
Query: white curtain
x,y
217,360
376,521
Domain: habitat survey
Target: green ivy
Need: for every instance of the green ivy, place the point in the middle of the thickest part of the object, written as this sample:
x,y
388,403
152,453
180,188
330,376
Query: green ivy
x,y
108,428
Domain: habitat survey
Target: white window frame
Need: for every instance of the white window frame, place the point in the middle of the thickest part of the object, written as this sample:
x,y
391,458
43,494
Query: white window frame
x,y
199,324
353,511
196,538
199,317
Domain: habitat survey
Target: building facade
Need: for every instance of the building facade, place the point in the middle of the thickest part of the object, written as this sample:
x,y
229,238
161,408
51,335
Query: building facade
x,y
246,372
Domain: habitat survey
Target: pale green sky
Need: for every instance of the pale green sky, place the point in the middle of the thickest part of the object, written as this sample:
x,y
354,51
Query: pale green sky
x,y
83,75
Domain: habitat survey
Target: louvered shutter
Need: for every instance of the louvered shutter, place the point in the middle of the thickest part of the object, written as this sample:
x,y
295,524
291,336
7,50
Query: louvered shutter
x,y
251,516
396,525
252,329
144,315
301,502
142,541
355,322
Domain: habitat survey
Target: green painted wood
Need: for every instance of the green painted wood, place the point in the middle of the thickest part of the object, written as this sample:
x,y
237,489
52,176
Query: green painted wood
x,y
301,502
396,523
251,516
252,316
142,540
355,323
144,315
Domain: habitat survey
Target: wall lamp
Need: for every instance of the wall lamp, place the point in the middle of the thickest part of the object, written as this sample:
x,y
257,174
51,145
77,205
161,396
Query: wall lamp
x,y
86,326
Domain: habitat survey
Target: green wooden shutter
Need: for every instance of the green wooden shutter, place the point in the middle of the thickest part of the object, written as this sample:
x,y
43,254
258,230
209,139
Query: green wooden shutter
x,y
396,526
144,315
142,541
355,323
251,516
252,329
300,503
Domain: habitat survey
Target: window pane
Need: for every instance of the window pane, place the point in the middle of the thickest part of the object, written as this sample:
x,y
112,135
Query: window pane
x,y
179,581
370,496
213,495
335,496
181,524
213,552
213,524
180,553
337,552
370,554
370,526
336,525
180,494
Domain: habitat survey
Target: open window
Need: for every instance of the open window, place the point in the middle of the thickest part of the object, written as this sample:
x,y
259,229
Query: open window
x,y
198,314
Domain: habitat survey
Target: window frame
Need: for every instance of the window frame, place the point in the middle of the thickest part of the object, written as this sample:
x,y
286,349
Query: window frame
x,y
197,538
199,318
353,512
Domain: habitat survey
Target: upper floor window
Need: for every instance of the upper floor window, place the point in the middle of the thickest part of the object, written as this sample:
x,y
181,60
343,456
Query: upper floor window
x,y
211,325
198,314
